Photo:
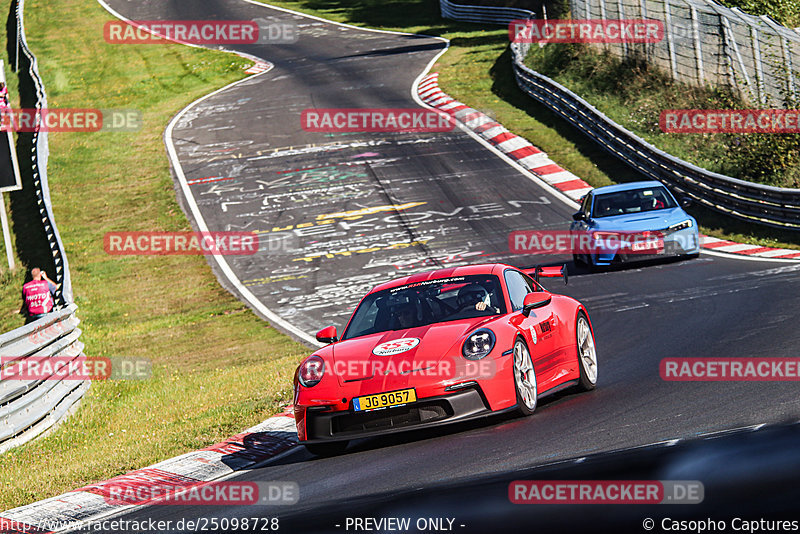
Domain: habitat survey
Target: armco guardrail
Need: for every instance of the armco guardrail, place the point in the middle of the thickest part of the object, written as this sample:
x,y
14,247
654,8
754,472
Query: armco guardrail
x,y
774,206
36,164
30,407
482,14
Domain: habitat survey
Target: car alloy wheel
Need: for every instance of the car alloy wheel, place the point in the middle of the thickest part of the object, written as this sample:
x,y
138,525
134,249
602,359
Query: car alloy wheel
x,y
587,354
524,378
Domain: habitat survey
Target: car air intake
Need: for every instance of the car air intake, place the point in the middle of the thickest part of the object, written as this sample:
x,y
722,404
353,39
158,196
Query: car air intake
x,y
391,418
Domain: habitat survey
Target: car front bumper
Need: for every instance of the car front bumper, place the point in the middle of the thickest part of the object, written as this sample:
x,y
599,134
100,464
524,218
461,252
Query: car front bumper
x,y
679,243
461,405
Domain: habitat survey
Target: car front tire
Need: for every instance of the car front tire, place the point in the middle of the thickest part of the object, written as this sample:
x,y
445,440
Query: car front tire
x,y
525,385
587,353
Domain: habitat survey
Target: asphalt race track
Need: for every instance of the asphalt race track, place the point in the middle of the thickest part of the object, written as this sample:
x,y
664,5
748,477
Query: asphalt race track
x,y
409,201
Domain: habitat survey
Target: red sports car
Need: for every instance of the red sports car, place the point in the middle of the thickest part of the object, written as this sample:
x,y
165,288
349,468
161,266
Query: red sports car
x,y
441,347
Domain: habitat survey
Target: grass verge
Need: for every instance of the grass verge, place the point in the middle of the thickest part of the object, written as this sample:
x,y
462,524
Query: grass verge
x,y
217,368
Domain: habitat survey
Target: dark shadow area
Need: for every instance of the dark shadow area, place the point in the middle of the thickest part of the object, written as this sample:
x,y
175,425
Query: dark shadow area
x,y
480,40
380,13
765,462
30,237
256,447
490,422
579,269
624,266
421,13
396,50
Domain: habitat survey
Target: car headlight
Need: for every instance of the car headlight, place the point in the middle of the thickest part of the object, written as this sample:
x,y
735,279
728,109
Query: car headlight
x,y
688,223
311,371
605,236
478,344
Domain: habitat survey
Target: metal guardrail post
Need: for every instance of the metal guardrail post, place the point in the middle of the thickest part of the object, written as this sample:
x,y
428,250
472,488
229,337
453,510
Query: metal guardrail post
x,y
673,61
698,45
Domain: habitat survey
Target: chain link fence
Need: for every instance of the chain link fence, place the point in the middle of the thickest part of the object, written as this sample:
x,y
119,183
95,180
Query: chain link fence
x,y
706,43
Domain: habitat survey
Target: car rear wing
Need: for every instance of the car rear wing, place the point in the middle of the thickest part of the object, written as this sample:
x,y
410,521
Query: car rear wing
x,y
556,271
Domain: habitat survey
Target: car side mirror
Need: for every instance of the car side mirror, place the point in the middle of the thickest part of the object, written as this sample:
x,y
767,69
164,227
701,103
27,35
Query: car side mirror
x,y
535,300
327,335
578,216
686,202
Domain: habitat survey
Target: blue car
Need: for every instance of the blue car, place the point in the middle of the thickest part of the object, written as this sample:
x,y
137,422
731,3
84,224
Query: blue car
x,y
629,222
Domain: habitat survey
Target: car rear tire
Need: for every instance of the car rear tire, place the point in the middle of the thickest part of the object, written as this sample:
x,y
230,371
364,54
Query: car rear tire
x,y
524,379
587,354
326,449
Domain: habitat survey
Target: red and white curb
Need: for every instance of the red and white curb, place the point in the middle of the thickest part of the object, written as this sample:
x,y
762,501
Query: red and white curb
x,y
258,66
731,247
512,145
537,162
90,503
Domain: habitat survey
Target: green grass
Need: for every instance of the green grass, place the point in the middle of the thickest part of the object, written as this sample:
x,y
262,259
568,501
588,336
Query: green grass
x,y
786,12
217,368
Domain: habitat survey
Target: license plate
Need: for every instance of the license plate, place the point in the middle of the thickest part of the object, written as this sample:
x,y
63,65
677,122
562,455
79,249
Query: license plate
x,y
384,400
657,245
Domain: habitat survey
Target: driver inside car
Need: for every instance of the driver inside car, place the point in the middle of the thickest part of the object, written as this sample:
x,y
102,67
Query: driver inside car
x,y
404,316
475,296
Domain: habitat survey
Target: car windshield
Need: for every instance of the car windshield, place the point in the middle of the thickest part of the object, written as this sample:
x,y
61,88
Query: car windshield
x,y
428,302
634,201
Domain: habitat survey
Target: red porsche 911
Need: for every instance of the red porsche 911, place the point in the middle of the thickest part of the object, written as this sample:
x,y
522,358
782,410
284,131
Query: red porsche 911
x,y
441,347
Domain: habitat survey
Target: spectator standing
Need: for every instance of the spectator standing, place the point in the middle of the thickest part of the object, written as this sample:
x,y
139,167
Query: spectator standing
x,y
38,295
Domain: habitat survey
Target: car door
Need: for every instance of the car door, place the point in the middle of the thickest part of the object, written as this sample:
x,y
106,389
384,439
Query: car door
x,y
538,328
586,209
